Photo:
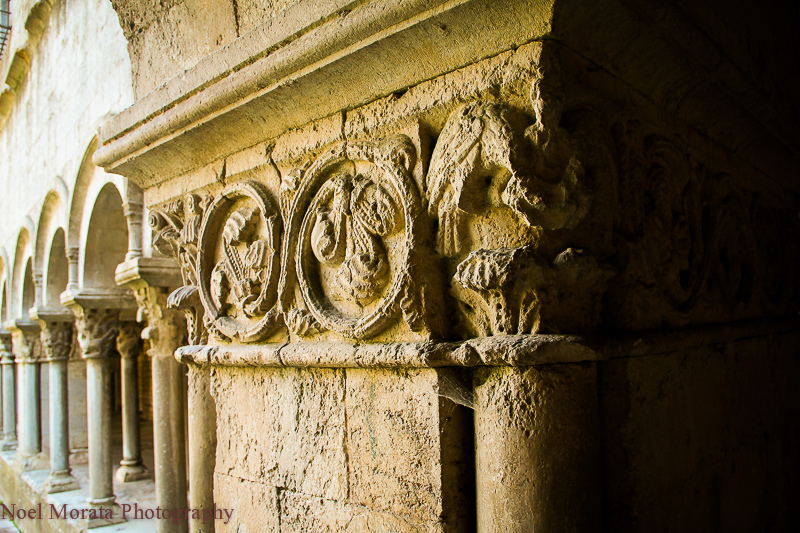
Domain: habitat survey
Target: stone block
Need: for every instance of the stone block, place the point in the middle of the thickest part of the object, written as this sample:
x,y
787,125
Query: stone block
x,y
284,427
406,447
254,505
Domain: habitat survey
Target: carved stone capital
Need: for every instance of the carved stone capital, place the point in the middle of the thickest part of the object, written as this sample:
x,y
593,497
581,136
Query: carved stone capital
x,y
25,340
129,340
6,348
57,340
97,332
166,328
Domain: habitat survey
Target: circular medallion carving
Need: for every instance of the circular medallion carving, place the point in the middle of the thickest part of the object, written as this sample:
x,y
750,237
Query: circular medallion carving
x,y
354,223
238,262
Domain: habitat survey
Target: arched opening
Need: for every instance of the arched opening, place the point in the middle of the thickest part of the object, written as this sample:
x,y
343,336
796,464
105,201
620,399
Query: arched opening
x,y
57,270
106,240
28,289
4,308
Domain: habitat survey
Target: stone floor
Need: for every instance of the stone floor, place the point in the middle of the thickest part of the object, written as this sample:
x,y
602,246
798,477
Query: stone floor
x,y
141,493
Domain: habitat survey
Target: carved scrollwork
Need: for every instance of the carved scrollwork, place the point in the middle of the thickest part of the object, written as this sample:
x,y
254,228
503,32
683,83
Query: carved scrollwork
x,y
176,230
352,227
238,262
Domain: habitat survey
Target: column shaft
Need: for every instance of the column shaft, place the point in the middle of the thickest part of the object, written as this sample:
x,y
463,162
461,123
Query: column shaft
x,y
537,449
202,445
9,396
57,341
98,391
168,436
129,345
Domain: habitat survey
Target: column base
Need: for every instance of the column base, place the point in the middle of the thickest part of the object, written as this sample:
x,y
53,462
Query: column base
x,y
24,462
8,444
79,456
62,481
134,472
100,514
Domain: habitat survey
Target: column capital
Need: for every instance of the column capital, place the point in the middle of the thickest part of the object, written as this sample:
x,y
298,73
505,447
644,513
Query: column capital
x,y
129,340
6,347
24,334
97,332
56,331
150,280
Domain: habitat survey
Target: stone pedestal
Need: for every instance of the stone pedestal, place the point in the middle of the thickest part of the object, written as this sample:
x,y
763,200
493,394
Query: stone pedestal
x,y
57,343
9,392
537,449
129,345
25,335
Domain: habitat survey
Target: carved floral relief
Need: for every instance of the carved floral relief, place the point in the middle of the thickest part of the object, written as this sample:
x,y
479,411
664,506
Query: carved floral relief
x,y
550,219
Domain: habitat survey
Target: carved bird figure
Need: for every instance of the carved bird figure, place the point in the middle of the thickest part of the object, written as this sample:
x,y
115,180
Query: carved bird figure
x,y
476,137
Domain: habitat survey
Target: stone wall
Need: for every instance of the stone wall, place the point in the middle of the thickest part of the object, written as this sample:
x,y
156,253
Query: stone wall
x,y
79,72
457,267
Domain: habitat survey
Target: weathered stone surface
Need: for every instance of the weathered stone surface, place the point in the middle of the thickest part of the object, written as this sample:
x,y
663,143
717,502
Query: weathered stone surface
x,y
537,448
284,428
255,505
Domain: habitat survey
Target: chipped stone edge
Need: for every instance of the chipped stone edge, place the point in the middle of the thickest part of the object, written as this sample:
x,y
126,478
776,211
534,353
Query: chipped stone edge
x,y
508,350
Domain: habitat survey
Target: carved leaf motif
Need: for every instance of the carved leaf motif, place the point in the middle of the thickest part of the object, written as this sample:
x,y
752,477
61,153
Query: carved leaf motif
x,y
302,323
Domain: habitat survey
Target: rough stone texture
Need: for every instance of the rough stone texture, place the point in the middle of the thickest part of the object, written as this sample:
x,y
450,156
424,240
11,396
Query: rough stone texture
x,y
356,192
341,449
703,438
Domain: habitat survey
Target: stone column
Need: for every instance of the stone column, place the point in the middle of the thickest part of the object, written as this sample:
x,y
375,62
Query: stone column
x,y
537,449
25,338
9,392
73,254
166,331
57,342
133,213
97,333
129,346
202,445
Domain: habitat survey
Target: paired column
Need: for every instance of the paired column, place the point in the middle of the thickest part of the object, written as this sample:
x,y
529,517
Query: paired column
x,y
148,278
537,449
57,343
129,346
166,330
9,392
25,339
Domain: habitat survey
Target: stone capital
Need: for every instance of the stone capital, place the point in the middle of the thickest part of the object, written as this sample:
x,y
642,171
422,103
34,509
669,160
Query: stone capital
x,y
97,332
24,334
150,280
129,340
57,340
6,347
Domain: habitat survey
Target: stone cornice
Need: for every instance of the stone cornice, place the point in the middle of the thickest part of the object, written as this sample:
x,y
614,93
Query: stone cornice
x,y
248,91
303,64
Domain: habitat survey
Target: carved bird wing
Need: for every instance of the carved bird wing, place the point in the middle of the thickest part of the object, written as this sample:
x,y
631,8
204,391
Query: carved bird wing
x,y
476,133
